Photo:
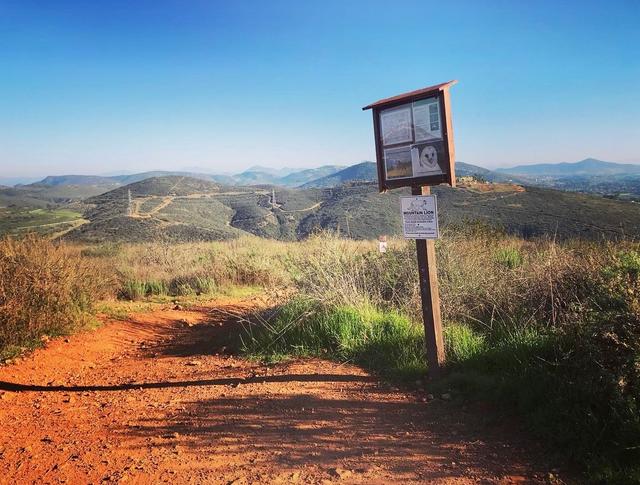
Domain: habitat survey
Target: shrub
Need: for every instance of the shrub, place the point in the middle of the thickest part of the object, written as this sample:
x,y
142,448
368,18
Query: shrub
x,y
45,288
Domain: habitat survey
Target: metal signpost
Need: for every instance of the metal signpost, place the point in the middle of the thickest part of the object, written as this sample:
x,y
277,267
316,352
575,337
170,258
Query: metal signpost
x,y
414,148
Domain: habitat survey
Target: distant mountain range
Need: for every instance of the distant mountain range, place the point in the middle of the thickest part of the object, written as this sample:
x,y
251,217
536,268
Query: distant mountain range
x,y
253,176
188,209
613,180
586,167
360,172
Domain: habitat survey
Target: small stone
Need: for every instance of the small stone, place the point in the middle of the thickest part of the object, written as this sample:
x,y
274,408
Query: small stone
x,y
194,362
446,396
340,473
66,341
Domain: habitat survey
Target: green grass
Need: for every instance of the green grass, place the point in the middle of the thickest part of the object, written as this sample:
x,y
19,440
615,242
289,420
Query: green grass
x,y
382,341
20,220
560,390
509,257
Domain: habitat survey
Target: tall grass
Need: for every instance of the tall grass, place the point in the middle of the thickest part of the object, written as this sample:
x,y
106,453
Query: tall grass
x,y
383,341
45,289
549,330
164,269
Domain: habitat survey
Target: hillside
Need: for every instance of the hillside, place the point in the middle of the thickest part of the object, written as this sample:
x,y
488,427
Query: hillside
x,y
37,195
187,209
301,177
54,180
360,172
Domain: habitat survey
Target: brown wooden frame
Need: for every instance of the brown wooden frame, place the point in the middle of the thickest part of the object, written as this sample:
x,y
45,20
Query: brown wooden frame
x,y
441,91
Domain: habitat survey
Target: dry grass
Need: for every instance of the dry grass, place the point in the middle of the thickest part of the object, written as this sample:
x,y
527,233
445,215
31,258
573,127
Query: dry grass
x,y
550,329
45,289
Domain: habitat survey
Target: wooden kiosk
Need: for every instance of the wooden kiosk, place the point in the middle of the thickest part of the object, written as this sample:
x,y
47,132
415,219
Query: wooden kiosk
x,y
414,148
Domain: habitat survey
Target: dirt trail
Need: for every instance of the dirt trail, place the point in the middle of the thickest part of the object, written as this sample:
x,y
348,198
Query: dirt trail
x,y
158,399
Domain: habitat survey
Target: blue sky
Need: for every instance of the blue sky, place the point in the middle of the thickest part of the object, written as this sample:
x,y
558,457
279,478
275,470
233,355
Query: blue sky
x,y
93,87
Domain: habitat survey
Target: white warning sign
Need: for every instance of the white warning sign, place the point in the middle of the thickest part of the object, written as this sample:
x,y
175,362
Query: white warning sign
x,y
420,217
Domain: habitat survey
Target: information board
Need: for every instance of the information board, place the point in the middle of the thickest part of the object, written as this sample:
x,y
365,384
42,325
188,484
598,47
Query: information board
x,y
414,138
420,217
417,128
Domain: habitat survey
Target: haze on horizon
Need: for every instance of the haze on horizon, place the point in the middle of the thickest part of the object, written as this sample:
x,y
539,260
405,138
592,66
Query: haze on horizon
x,y
105,87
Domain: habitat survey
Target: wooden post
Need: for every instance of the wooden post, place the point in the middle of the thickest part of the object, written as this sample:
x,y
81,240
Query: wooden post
x,y
427,269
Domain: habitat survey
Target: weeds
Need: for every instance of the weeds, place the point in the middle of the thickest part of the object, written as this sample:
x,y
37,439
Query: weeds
x,y
550,331
45,289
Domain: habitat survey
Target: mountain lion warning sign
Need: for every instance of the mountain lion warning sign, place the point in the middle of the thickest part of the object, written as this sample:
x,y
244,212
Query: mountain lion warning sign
x,y
420,217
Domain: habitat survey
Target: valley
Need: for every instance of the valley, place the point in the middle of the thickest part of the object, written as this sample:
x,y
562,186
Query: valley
x,y
183,209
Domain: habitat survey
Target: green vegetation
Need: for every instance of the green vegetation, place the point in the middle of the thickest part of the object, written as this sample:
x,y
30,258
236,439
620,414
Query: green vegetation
x,y
547,330
383,341
14,220
184,209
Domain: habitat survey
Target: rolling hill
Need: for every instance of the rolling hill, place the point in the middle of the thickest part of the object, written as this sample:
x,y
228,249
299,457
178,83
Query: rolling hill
x,y
254,176
360,172
187,209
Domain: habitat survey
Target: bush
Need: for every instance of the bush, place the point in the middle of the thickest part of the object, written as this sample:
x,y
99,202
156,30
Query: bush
x,y
576,382
509,257
45,289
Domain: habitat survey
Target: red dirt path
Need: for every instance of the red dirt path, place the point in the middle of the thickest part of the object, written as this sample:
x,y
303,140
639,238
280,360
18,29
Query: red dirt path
x,y
155,399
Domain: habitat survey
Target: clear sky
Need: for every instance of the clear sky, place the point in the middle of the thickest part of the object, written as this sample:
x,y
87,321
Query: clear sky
x,y
102,86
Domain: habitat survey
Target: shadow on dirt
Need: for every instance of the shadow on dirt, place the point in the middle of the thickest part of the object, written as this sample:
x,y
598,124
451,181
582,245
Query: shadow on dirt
x,y
302,429
230,381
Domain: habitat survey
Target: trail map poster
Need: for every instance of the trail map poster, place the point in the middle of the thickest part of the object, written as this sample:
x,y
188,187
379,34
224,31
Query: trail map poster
x,y
396,125
420,217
